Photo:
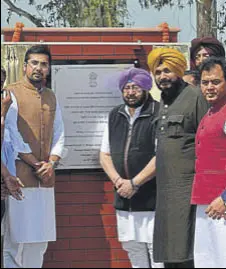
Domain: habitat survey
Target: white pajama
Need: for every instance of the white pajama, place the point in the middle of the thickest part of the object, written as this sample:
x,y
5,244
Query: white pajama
x,y
141,255
28,255
28,226
135,232
210,241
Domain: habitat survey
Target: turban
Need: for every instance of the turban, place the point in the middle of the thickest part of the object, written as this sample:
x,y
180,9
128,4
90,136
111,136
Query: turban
x,y
211,44
137,75
171,58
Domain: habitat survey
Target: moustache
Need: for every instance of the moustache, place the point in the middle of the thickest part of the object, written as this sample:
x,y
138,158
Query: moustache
x,y
37,73
165,81
131,97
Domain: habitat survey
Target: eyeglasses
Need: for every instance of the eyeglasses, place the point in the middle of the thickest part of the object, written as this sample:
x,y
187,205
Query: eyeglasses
x,y
35,64
132,88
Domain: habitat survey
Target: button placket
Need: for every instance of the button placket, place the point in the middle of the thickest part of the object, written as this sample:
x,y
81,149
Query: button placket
x,y
42,128
163,119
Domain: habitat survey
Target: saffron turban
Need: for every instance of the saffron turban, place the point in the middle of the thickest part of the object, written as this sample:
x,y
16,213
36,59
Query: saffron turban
x,y
211,44
137,75
171,58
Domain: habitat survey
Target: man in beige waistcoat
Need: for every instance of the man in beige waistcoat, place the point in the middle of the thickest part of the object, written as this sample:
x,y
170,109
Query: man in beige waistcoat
x,y
31,221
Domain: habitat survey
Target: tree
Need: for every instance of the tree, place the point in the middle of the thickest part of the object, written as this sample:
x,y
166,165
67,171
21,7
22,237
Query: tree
x,y
74,13
14,9
114,13
209,20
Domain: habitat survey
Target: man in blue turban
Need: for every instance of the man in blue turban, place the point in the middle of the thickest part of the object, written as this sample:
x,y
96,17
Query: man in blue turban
x,y
127,148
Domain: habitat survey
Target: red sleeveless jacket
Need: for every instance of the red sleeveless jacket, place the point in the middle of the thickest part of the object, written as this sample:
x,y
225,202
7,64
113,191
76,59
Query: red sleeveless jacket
x,y
210,177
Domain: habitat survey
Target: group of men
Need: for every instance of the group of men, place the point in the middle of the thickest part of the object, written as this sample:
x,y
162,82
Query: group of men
x,y
166,161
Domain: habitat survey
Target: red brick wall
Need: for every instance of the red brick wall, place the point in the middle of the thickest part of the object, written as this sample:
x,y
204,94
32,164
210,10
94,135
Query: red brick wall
x,y
103,52
86,224
92,34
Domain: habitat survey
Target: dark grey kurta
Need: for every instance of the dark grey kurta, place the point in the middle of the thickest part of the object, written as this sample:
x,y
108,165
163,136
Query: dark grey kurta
x,y
175,217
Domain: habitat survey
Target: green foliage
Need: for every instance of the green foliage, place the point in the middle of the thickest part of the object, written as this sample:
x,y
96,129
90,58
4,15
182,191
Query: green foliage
x,y
158,4
81,13
99,13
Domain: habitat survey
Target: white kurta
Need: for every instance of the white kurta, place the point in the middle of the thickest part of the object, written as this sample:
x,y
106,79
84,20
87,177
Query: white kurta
x,y
210,241
12,143
33,219
132,226
11,133
135,226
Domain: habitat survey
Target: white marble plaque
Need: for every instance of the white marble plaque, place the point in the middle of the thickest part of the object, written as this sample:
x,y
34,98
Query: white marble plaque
x,y
86,94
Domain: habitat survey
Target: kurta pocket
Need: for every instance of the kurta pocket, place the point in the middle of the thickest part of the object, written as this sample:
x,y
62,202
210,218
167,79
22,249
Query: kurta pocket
x,y
175,126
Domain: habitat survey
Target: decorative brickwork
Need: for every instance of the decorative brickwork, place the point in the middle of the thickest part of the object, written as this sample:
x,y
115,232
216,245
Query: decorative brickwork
x,y
17,32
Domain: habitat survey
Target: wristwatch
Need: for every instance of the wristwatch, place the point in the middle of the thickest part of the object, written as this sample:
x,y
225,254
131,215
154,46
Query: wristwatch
x,y
135,187
223,196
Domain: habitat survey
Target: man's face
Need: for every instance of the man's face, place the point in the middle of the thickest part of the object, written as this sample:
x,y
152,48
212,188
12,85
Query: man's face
x,y
213,84
37,67
3,78
200,56
165,78
133,95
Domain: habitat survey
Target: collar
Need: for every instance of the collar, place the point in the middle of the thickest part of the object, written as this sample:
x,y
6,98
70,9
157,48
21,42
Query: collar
x,y
30,86
137,110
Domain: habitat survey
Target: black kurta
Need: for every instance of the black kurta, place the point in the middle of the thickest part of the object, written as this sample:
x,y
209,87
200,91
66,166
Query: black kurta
x,y
175,217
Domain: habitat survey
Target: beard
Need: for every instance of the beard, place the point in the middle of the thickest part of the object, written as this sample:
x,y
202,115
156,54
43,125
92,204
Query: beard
x,y
134,102
36,77
166,85
173,86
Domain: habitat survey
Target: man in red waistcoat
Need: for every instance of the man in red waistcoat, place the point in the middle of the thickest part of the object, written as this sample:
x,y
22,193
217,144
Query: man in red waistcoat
x,y
209,187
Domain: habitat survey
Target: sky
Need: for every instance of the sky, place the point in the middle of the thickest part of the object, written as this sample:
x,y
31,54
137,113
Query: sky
x,y
184,19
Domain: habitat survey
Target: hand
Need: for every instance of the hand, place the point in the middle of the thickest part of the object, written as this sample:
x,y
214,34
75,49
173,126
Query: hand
x,y
6,102
4,191
2,122
217,209
45,172
126,189
2,128
13,185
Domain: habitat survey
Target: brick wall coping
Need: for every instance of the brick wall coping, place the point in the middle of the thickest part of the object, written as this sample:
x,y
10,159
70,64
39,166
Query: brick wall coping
x,y
90,29
96,43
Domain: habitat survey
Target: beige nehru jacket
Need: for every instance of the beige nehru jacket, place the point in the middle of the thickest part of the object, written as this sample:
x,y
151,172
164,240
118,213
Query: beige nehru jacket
x,y
36,114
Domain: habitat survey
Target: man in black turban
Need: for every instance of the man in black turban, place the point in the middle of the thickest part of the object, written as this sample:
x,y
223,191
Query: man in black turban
x,y
202,48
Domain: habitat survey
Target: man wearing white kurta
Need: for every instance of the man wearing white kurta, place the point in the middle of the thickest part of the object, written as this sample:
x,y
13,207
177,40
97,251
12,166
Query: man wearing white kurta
x,y
209,186
127,148
31,222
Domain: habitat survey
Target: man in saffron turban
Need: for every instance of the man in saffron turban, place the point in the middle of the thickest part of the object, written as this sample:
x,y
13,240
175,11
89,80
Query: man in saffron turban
x,y
181,109
127,149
